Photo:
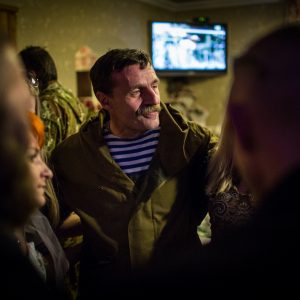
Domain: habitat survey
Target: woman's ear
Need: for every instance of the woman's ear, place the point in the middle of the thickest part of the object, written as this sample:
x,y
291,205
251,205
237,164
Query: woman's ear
x,y
103,99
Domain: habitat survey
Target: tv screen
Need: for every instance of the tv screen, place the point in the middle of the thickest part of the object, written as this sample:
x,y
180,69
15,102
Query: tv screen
x,y
187,49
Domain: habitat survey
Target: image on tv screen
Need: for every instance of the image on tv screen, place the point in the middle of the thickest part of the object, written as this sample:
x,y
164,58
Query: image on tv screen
x,y
184,46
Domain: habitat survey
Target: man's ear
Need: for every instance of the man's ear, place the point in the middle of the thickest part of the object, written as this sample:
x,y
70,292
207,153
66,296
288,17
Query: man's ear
x,y
242,125
103,99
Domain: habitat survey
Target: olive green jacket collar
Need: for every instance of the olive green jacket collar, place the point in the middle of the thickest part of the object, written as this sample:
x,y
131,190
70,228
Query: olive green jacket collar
x,y
178,142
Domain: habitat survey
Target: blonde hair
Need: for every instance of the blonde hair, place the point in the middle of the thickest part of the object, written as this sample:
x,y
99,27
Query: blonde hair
x,y
37,128
54,212
220,168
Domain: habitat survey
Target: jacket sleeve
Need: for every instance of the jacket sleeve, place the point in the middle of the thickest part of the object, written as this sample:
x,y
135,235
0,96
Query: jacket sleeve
x,y
53,117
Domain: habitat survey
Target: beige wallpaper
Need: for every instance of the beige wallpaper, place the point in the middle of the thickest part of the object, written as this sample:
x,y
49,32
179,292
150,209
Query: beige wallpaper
x,y
245,24
63,26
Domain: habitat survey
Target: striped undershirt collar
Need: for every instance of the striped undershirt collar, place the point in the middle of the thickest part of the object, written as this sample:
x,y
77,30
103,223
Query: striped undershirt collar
x,y
133,155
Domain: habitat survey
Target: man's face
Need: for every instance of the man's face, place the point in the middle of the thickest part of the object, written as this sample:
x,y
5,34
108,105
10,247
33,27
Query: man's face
x,y
134,103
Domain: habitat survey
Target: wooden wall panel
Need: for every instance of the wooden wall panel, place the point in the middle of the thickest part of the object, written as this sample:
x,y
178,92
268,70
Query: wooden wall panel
x,y
8,21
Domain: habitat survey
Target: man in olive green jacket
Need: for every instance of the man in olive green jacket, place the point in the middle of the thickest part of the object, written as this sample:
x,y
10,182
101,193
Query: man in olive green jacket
x,y
130,221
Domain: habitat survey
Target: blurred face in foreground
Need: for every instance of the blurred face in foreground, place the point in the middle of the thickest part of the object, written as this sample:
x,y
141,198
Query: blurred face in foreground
x,y
17,202
248,137
18,92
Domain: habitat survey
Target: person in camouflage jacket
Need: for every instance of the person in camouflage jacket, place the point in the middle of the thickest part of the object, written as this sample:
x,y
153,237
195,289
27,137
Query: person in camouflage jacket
x,y
61,111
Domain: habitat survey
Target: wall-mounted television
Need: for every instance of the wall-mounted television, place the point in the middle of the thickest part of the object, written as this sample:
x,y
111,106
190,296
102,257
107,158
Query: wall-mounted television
x,y
188,49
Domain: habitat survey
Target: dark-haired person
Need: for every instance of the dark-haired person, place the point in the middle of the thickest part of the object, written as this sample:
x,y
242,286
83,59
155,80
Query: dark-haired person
x,y
133,174
61,112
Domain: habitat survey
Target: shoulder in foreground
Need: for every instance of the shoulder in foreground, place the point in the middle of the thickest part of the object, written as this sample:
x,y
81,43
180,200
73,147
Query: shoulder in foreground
x,y
178,117
195,128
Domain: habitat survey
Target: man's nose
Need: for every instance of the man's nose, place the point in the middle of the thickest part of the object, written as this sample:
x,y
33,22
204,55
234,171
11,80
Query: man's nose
x,y
150,97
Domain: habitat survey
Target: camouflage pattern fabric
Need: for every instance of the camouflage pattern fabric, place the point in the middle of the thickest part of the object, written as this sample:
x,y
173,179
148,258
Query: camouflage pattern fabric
x,y
62,114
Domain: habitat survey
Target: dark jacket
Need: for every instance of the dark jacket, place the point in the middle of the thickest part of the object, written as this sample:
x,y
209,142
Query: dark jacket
x,y
126,225
18,277
259,260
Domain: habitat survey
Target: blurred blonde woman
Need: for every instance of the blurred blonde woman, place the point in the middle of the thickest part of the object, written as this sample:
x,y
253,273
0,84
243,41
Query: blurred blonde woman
x,y
230,203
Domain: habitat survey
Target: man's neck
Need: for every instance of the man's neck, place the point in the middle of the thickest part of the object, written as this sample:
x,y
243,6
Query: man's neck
x,y
123,133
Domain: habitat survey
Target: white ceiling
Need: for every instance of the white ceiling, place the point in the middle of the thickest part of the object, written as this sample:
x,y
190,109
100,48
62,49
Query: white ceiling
x,y
184,5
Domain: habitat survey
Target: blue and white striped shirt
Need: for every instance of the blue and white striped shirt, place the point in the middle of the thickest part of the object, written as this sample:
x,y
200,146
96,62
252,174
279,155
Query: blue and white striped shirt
x,y
133,155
